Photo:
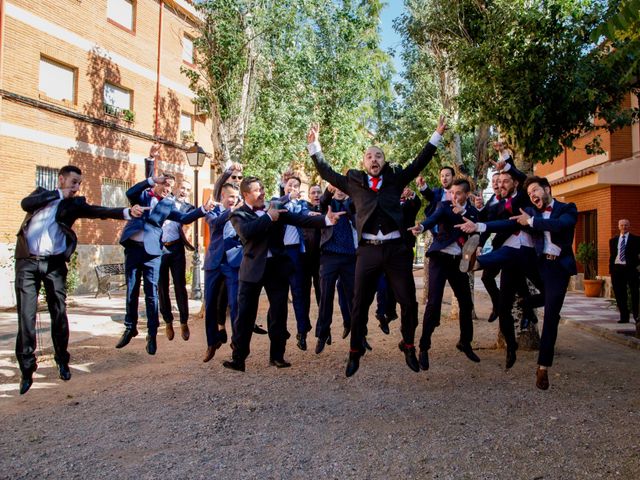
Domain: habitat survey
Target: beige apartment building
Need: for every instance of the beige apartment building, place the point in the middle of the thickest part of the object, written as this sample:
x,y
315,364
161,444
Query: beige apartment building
x,y
92,83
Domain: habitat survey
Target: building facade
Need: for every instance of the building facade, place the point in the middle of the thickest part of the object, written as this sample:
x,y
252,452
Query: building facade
x,y
92,83
604,187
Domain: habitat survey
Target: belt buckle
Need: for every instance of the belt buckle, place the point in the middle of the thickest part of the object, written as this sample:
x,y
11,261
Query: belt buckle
x,y
548,256
375,242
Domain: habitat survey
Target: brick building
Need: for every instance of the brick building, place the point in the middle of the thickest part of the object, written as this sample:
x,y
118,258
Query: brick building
x,y
92,83
604,187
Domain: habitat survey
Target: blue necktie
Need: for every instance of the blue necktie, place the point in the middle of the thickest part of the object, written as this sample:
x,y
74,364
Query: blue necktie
x,y
623,246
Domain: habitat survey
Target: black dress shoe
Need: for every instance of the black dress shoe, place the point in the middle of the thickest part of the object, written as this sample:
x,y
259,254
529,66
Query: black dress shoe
x,y
152,346
222,336
423,359
353,364
409,356
279,363
128,334
384,326
511,356
320,345
63,372
468,351
366,345
257,329
493,316
329,339
391,317
25,383
302,341
236,365
346,332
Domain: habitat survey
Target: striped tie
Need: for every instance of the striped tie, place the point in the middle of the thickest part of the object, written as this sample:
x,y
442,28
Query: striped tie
x,y
623,246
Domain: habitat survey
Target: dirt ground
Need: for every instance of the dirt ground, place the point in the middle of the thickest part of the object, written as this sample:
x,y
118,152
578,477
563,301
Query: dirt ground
x,y
125,414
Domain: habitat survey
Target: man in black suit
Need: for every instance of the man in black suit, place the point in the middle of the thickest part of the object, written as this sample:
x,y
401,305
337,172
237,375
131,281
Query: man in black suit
x,y
45,243
624,250
444,255
174,261
265,263
375,192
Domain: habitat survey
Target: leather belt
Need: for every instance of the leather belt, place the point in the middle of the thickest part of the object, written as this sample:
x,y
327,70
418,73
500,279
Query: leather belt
x,y
173,242
42,258
365,241
548,256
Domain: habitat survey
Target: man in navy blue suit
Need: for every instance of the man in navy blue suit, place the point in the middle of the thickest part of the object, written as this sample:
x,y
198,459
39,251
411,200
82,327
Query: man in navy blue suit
x,y
444,257
221,266
552,225
142,242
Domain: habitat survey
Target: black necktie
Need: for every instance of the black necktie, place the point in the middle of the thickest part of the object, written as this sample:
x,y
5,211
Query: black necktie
x,y
623,246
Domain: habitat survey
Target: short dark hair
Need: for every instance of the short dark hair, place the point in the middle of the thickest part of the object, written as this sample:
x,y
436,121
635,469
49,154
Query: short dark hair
x,y
542,181
466,186
510,173
295,177
246,183
169,176
450,168
67,169
230,185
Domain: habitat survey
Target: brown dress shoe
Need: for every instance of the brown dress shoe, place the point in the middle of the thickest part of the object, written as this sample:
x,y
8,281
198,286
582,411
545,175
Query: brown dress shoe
x,y
542,379
184,331
211,351
168,330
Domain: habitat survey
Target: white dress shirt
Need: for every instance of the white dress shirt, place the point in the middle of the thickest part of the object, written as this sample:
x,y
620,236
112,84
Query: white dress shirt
x,y
44,235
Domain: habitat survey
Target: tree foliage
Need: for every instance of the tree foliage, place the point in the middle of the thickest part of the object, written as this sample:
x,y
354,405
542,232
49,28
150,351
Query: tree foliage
x,y
528,67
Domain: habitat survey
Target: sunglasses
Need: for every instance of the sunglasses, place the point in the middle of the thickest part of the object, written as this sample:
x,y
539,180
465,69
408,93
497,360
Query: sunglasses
x,y
236,177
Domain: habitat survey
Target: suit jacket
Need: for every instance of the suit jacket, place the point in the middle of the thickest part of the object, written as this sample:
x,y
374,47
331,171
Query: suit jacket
x,y
631,251
434,197
185,207
446,220
561,224
259,234
218,245
410,209
69,210
152,220
327,232
356,184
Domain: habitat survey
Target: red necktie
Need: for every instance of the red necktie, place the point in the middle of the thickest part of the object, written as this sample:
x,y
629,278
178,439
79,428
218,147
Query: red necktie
x,y
258,209
507,204
548,209
154,194
374,183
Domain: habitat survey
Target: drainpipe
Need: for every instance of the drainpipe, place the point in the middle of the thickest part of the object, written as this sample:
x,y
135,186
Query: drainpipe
x,y
564,166
157,99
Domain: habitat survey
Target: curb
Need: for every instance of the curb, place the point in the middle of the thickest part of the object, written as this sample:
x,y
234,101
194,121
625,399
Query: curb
x,y
627,340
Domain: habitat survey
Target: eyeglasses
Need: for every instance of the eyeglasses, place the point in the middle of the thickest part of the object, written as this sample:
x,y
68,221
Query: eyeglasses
x,y
236,177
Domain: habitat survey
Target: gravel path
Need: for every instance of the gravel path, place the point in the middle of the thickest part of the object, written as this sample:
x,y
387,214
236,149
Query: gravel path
x,y
128,415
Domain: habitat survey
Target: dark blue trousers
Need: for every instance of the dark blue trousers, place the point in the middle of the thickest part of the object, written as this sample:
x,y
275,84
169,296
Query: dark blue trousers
x,y
334,266
296,282
222,278
138,265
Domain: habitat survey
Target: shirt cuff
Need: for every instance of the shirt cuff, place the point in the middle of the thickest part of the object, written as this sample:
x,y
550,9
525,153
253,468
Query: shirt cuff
x,y
151,182
127,213
481,227
423,188
435,139
530,222
507,167
327,222
314,148
505,156
203,209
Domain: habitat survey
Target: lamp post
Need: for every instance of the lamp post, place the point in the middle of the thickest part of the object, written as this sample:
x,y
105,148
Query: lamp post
x,y
195,157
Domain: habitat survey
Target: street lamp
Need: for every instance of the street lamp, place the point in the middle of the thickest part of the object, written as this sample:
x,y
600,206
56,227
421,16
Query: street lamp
x,y
195,157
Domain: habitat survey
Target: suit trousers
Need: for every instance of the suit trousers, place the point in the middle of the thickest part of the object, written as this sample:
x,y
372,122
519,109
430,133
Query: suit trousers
x,y
489,281
223,278
296,282
310,276
276,285
442,268
622,277
512,281
394,259
556,281
334,266
30,275
138,265
174,261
